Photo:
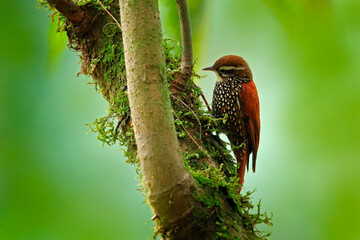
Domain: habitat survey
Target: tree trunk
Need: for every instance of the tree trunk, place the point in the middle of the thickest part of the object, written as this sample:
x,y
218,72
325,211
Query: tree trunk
x,y
168,184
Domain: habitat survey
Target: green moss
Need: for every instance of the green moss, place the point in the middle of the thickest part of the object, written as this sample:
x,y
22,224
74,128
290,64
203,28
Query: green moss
x,y
111,59
105,128
215,185
108,4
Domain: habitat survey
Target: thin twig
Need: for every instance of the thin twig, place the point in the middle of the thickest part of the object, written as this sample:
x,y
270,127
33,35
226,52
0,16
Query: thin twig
x,y
254,225
116,21
192,137
121,123
206,103
190,111
186,38
204,98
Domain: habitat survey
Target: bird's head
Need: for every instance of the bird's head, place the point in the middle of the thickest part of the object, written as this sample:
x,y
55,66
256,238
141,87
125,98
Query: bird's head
x,y
230,67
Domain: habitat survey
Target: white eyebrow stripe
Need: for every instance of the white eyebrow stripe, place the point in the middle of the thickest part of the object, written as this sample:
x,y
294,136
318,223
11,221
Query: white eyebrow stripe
x,y
231,68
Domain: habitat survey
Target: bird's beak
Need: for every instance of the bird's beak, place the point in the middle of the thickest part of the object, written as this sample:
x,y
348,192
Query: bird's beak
x,y
209,69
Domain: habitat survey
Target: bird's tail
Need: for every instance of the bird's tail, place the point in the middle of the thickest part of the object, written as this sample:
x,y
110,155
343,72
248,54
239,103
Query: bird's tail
x,y
241,158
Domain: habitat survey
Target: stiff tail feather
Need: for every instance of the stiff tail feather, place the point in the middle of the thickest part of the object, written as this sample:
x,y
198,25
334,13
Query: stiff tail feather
x,y
241,158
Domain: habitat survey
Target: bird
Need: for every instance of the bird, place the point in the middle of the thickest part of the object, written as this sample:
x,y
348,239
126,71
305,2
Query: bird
x,y
236,101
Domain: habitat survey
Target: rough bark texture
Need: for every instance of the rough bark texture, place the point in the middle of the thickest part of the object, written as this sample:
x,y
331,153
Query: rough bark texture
x,y
168,184
199,201
70,9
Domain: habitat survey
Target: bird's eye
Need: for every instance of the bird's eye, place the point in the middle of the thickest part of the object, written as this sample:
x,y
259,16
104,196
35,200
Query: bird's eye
x,y
224,71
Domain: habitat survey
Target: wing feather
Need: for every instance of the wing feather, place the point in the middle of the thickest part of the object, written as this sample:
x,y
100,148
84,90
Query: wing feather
x,y
251,110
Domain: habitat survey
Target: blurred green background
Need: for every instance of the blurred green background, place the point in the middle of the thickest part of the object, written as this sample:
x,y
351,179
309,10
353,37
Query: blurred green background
x,y
58,182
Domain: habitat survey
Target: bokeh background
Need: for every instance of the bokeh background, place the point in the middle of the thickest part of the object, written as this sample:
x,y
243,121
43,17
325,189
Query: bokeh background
x,y
58,182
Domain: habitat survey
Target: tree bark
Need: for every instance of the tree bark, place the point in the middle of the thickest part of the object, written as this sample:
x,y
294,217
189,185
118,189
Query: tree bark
x,y
68,8
168,184
186,38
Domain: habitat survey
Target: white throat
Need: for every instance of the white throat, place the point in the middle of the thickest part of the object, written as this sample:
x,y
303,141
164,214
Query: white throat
x,y
218,78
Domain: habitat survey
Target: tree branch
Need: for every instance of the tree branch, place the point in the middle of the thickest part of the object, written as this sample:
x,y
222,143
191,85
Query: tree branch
x,y
186,38
168,183
74,13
